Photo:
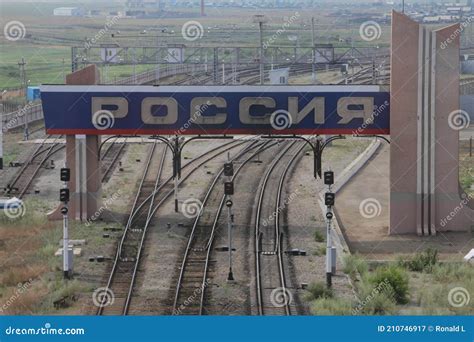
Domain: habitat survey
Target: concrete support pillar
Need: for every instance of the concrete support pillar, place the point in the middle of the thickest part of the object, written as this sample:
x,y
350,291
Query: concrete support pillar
x,y
82,157
424,157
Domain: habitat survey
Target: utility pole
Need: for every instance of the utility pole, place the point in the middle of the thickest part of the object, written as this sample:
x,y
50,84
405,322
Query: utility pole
x,y
260,19
24,86
313,43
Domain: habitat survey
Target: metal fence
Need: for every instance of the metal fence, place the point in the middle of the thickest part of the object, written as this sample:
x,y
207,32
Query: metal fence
x,y
467,86
32,112
156,74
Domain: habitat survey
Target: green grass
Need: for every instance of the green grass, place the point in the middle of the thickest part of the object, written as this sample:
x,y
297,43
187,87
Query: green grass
x,y
421,262
318,290
320,250
393,276
331,306
319,237
354,264
44,64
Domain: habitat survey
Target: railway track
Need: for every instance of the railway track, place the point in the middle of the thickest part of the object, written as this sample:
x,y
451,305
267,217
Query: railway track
x,y
128,252
110,157
124,269
273,296
24,178
196,265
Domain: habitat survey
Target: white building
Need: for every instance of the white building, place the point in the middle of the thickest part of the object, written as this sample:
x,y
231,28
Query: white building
x,y
68,11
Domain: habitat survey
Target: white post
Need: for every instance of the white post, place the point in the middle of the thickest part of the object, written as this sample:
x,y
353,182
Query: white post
x,y
66,261
328,243
230,277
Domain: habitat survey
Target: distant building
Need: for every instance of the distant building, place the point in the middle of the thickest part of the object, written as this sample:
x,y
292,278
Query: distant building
x,y
279,76
68,11
144,8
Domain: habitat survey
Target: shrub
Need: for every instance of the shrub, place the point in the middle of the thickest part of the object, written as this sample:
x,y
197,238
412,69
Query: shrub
x,y
375,300
320,250
353,264
449,272
331,306
422,262
318,290
318,236
393,276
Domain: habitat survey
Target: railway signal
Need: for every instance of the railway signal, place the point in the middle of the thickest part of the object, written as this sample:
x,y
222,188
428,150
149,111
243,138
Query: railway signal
x,y
64,195
228,192
228,169
329,177
229,188
65,175
329,201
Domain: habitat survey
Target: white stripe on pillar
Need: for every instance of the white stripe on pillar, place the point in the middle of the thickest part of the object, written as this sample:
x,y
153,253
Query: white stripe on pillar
x,y
419,145
432,135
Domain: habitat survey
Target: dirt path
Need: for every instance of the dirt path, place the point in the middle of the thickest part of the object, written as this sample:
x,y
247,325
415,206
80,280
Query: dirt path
x,y
369,236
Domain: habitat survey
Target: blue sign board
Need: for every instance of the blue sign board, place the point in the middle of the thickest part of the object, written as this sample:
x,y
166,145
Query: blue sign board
x,y
33,93
193,110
